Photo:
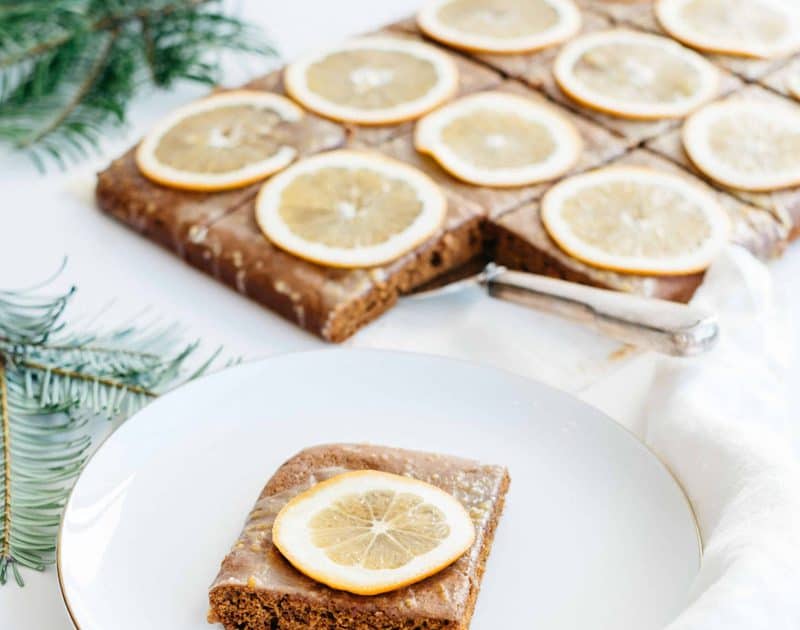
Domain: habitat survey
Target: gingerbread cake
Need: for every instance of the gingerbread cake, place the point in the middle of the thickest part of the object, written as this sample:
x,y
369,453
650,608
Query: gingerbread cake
x,y
217,233
257,588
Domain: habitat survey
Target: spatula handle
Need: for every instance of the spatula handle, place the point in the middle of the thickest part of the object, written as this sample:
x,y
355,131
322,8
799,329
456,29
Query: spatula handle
x,y
666,327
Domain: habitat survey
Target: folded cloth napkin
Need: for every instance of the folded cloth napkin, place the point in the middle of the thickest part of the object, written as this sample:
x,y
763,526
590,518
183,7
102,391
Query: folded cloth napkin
x,y
722,426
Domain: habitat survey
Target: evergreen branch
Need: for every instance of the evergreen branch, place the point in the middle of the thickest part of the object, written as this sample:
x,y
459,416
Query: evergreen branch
x,y
54,384
69,68
5,544
106,382
89,348
80,94
113,21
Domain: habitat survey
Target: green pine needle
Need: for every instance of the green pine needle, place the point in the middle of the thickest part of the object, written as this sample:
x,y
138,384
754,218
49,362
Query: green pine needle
x,y
55,381
69,68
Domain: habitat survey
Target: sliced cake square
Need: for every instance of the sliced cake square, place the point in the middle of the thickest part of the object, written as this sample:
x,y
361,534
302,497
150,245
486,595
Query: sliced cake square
x,y
330,302
166,215
641,14
783,205
522,242
257,588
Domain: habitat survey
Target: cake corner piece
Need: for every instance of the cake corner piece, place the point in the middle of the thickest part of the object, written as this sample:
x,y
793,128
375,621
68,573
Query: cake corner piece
x,y
257,588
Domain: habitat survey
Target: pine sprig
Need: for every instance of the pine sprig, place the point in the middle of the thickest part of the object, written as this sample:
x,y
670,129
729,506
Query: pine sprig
x,y
69,68
55,380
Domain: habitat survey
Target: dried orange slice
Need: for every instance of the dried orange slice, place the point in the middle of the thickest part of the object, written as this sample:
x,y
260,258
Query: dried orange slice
x,y
500,26
499,139
747,28
635,75
224,141
350,209
370,532
746,144
635,220
373,80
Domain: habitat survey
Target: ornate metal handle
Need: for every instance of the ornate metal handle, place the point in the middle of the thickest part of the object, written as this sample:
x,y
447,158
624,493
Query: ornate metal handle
x,y
667,327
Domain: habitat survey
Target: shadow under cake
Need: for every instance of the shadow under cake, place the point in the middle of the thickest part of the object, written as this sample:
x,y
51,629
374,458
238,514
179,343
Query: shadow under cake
x,y
257,588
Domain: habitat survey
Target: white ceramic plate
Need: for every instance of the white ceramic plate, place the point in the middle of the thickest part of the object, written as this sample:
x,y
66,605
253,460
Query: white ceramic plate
x,y
596,533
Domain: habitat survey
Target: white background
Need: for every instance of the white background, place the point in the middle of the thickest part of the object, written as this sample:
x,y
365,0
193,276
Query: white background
x,y
45,217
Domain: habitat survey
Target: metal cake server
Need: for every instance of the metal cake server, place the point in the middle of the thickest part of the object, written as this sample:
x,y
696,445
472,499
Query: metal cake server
x,y
668,327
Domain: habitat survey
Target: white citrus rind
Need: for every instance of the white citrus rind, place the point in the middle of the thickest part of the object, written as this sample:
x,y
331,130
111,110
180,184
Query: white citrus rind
x,y
567,26
434,208
564,134
293,537
447,71
669,16
163,173
696,141
572,52
561,231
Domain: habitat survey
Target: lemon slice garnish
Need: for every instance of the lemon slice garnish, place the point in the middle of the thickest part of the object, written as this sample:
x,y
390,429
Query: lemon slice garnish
x,y
350,209
373,80
635,75
224,141
369,532
499,139
500,26
748,28
746,144
635,220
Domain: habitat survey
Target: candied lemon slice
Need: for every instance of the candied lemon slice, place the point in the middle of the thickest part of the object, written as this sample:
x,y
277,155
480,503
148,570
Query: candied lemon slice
x,y
499,139
224,141
373,80
369,532
635,75
500,26
636,220
350,209
746,144
748,28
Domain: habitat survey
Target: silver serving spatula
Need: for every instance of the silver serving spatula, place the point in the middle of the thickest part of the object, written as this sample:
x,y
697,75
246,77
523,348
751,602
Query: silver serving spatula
x,y
667,327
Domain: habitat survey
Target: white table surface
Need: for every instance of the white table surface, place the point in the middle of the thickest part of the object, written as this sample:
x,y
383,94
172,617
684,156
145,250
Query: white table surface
x,y
45,217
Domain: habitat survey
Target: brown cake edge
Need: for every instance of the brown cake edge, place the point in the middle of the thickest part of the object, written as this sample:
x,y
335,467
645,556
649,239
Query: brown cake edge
x,y
485,551
515,252
286,612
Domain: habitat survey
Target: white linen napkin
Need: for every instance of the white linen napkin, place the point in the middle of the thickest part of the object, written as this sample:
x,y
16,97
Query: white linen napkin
x,y
722,426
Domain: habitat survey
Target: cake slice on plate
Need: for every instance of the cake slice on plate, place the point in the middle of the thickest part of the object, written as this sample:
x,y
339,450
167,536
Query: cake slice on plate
x,y
257,587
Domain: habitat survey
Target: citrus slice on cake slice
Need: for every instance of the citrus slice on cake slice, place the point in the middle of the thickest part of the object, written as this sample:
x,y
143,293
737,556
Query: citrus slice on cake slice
x,y
747,28
221,142
373,80
746,144
350,209
499,139
500,26
635,220
370,532
635,75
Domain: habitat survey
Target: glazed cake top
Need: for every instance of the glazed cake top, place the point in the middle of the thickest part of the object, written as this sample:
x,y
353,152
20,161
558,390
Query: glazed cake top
x,y
256,563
